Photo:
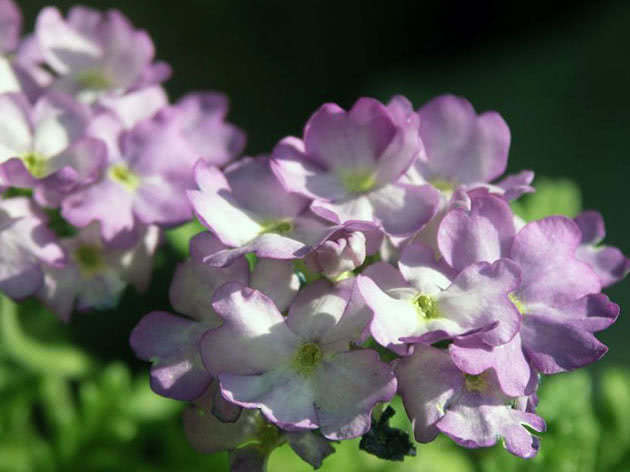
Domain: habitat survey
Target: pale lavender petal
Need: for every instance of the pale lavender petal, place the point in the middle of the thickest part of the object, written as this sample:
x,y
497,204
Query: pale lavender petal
x,y
60,289
195,282
424,270
515,185
427,381
483,233
137,262
512,369
284,397
562,340
349,386
461,146
202,123
254,336
276,279
218,210
95,203
10,26
299,175
136,106
349,141
162,202
171,343
545,252
475,424
478,300
16,128
266,199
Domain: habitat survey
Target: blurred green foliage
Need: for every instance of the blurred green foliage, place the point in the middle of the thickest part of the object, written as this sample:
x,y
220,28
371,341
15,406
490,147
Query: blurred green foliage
x,y
65,409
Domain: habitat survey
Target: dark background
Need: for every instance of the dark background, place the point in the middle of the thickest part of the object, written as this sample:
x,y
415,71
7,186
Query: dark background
x,y
558,72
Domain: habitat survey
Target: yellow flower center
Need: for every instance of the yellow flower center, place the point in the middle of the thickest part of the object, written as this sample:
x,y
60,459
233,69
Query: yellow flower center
x,y
520,306
360,182
36,164
307,358
426,307
124,176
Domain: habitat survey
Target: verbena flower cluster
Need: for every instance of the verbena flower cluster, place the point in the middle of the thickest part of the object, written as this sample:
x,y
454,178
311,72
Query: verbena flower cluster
x,y
377,254
94,160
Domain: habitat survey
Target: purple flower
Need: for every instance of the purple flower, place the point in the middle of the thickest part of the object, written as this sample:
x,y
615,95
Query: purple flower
x,y
95,276
143,180
10,26
609,263
249,438
560,307
249,211
428,301
471,409
463,149
349,163
97,53
171,342
44,146
298,370
26,244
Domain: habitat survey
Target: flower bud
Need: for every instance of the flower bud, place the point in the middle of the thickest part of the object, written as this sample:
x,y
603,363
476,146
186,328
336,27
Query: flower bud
x,y
336,256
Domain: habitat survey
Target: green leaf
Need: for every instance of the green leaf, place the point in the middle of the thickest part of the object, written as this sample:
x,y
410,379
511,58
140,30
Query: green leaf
x,y
552,197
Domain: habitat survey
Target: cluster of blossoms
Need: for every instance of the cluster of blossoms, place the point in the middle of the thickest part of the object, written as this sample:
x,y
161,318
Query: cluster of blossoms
x,y
376,255
94,160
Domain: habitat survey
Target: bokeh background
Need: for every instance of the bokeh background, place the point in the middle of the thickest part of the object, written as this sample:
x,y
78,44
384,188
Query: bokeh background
x,y
558,72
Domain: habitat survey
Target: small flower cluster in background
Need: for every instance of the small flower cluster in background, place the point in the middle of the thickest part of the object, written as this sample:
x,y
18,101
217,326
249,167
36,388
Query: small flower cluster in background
x,y
94,160
376,255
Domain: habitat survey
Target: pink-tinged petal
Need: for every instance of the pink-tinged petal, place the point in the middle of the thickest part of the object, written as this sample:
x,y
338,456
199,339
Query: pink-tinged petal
x,y
284,397
136,106
311,447
483,233
254,336
349,386
513,372
591,224
80,164
59,121
162,202
393,318
547,332
266,198
194,282
60,289
10,26
299,175
14,173
64,48
404,209
609,263
276,279
545,252
207,434
349,141
515,185
218,210
461,146
478,300
16,128
474,424
421,268
202,123
95,203
427,381
153,74
137,262
319,312
171,343
404,149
